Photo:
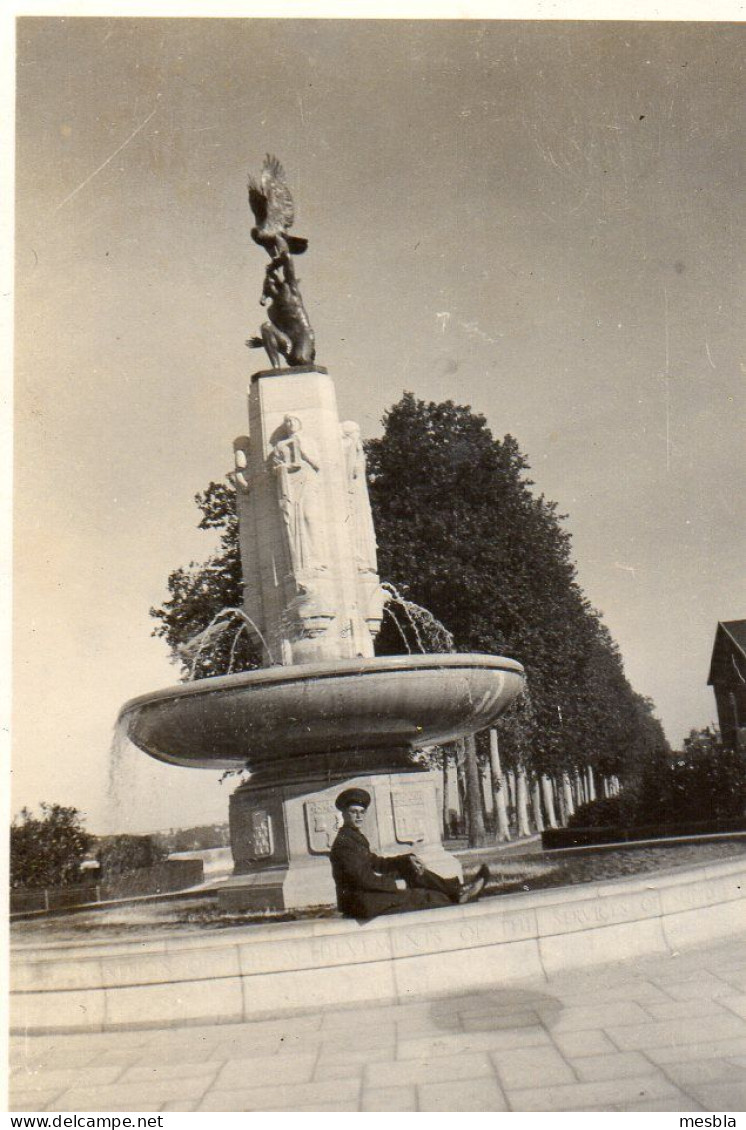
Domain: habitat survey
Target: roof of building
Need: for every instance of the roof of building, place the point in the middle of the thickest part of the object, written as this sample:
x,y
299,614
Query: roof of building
x,y
730,635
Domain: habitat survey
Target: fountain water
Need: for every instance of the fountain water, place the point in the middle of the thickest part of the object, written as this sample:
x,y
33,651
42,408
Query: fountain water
x,y
323,713
193,649
421,620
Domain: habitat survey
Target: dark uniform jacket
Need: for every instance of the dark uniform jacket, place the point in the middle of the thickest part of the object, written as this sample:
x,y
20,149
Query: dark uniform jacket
x,y
365,882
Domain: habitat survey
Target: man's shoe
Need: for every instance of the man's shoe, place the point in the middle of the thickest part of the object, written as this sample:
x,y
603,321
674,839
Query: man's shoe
x,y
484,873
470,892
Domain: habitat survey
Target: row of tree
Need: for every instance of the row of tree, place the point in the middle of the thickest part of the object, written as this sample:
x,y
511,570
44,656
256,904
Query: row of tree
x,y
485,802
461,533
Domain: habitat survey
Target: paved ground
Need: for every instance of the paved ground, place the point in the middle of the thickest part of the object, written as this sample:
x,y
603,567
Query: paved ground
x,y
659,1034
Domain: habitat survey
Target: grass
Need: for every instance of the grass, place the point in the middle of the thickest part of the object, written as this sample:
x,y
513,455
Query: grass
x,y
535,870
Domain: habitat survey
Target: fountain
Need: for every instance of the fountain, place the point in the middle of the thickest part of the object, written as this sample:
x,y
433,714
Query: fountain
x,y
324,712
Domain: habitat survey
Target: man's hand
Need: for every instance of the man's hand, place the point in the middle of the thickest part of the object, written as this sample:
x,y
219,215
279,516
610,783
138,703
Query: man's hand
x,y
417,865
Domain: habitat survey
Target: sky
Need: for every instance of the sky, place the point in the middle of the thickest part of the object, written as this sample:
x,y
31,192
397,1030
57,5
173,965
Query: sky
x,y
543,220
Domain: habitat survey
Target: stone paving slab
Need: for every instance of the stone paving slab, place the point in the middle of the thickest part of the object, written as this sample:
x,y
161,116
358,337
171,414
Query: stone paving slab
x,y
601,1095
672,1033
705,1071
521,1067
697,1050
618,1065
592,1042
654,1034
480,1094
686,1010
390,1098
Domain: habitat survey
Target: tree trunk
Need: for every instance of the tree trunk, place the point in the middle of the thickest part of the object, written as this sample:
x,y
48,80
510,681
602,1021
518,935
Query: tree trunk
x,y
475,816
502,830
488,804
536,805
546,786
567,790
591,784
510,777
562,806
446,790
460,786
524,828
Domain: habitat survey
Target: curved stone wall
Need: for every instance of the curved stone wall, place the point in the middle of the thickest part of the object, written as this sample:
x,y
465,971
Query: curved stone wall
x,y
224,976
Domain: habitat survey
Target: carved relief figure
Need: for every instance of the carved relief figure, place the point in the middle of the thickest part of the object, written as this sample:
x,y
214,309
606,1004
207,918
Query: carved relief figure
x,y
240,474
358,502
296,463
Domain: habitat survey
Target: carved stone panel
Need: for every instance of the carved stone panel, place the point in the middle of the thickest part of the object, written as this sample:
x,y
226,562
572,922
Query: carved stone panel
x,y
261,844
410,820
295,462
322,825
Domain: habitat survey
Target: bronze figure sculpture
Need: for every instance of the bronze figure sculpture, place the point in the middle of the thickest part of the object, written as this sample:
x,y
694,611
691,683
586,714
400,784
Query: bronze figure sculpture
x,y
287,333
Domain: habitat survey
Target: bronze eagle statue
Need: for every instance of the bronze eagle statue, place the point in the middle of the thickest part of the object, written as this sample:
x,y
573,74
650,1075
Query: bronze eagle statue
x,y
274,211
287,333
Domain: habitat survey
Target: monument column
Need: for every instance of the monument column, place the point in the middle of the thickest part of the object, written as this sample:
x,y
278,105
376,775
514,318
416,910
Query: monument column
x,y
305,584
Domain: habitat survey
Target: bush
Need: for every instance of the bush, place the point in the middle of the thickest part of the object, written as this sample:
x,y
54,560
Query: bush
x,y
603,813
703,783
118,855
47,851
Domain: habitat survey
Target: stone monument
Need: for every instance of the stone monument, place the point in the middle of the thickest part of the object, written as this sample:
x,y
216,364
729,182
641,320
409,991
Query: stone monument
x,y
324,713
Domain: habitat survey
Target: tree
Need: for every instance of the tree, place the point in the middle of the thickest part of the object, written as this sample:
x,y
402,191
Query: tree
x,y
461,532
47,851
200,593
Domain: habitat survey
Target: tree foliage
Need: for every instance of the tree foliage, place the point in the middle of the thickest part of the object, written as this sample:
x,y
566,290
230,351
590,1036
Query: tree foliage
x,y
199,837
47,850
461,532
704,781
200,592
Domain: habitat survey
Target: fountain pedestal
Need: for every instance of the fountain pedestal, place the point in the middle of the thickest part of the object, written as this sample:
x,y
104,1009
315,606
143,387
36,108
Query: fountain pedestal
x,y
281,834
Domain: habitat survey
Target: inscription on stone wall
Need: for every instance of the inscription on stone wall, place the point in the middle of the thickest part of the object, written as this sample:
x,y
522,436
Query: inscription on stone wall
x,y
597,912
409,815
322,824
343,950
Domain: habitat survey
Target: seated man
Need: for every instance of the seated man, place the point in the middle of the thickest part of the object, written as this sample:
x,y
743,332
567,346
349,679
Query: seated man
x,y
368,884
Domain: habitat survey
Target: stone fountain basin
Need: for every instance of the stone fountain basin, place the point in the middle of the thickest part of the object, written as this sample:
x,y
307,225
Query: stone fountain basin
x,y
252,718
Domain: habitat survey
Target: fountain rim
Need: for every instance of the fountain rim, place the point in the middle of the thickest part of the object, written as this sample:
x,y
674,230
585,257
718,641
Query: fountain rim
x,y
278,675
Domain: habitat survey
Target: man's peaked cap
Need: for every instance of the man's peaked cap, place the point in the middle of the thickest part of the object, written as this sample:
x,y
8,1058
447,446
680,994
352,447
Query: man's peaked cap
x,y
352,796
